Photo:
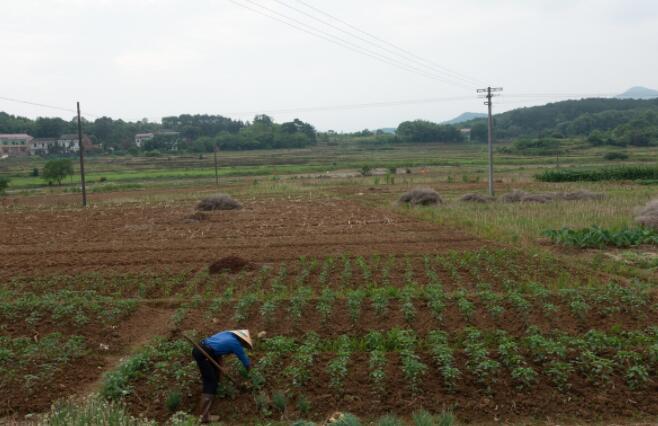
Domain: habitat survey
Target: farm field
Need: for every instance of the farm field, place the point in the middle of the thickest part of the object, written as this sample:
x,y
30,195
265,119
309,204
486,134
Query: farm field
x,y
368,307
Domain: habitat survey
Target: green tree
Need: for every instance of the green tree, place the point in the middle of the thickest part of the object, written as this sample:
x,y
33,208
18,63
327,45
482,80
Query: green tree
x,y
4,183
57,170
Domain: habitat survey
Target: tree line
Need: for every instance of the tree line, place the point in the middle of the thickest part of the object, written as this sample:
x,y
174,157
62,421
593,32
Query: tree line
x,y
602,121
195,133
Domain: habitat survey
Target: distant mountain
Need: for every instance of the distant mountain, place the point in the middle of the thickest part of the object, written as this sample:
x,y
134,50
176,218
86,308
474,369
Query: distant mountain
x,y
467,116
639,92
388,130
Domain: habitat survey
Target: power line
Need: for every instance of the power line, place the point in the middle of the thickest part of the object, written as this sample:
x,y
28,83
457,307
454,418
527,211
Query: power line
x,y
398,48
21,101
379,45
342,42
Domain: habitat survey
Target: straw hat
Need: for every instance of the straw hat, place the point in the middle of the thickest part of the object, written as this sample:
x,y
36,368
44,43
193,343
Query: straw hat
x,y
244,336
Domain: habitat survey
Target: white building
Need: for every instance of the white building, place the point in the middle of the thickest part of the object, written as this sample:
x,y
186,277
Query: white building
x,y
42,146
140,138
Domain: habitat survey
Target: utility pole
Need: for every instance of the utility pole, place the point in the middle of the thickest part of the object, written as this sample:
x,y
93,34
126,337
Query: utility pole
x,y
489,93
81,149
216,171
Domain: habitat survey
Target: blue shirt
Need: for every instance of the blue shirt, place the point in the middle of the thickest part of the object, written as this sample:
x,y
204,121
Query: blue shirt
x,y
226,343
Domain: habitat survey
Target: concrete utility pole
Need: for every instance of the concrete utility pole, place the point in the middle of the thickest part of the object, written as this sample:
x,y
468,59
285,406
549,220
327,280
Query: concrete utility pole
x,y
489,93
81,149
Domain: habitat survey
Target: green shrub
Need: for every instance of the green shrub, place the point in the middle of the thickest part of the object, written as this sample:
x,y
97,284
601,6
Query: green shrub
x,y
422,418
279,401
611,156
389,420
173,401
4,183
596,237
91,411
589,175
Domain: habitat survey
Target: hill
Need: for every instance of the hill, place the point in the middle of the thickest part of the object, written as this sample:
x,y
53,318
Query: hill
x,y
639,92
466,116
614,121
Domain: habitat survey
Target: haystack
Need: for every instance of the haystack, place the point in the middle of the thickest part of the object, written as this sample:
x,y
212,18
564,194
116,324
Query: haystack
x,y
421,197
476,198
648,215
537,198
513,197
582,195
218,202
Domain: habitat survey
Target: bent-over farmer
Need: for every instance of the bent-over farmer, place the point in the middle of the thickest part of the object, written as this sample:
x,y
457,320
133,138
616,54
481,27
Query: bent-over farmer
x,y
217,346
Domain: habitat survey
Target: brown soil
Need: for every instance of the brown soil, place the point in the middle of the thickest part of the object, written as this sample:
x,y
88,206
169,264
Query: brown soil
x,y
231,264
84,375
126,239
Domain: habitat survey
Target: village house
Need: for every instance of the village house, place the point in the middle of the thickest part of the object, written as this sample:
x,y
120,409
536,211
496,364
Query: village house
x,y
15,144
42,146
165,139
140,138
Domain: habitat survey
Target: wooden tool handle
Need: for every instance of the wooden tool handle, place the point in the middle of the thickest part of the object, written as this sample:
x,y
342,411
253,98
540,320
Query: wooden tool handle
x,y
210,358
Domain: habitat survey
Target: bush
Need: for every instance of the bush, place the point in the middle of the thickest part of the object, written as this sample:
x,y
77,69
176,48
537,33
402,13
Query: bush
x,y
421,196
4,183
57,170
218,202
615,156
616,173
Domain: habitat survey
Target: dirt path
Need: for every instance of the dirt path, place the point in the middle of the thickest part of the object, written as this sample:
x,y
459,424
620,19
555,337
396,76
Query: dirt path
x,y
147,323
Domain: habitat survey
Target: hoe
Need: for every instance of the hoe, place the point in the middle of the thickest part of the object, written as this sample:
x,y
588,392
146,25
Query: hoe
x,y
215,363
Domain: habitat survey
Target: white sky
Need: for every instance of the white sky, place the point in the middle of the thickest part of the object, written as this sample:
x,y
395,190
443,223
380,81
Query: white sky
x,y
145,58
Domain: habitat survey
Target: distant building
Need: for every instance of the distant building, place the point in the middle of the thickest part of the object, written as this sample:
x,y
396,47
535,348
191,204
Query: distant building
x,y
15,144
466,133
163,139
140,138
42,146
69,143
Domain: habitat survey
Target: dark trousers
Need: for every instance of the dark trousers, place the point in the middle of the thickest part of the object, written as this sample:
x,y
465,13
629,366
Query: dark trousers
x,y
209,373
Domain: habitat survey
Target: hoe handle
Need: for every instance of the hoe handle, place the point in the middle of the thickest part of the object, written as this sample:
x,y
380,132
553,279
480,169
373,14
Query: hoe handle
x,y
211,359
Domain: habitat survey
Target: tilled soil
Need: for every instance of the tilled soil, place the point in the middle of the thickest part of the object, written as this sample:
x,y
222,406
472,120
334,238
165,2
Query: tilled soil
x,y
132,238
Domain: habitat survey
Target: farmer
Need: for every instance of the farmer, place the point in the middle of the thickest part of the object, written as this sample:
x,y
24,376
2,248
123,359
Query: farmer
x,y
217,346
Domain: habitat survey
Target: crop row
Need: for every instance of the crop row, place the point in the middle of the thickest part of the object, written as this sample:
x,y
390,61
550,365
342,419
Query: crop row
x,y
29,364
63,307
400,358
596,237
452,269
522,300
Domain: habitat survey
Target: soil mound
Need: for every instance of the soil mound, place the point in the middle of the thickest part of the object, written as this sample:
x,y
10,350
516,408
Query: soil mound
x,y
421,197
196,217
476,198
648,215
229,264
218,202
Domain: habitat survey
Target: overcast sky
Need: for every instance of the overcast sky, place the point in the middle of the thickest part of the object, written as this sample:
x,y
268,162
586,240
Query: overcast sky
x,y
132,59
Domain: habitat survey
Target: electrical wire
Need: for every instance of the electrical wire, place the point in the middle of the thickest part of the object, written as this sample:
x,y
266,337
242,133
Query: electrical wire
x,y
342,42
382,46
20,101
398,48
